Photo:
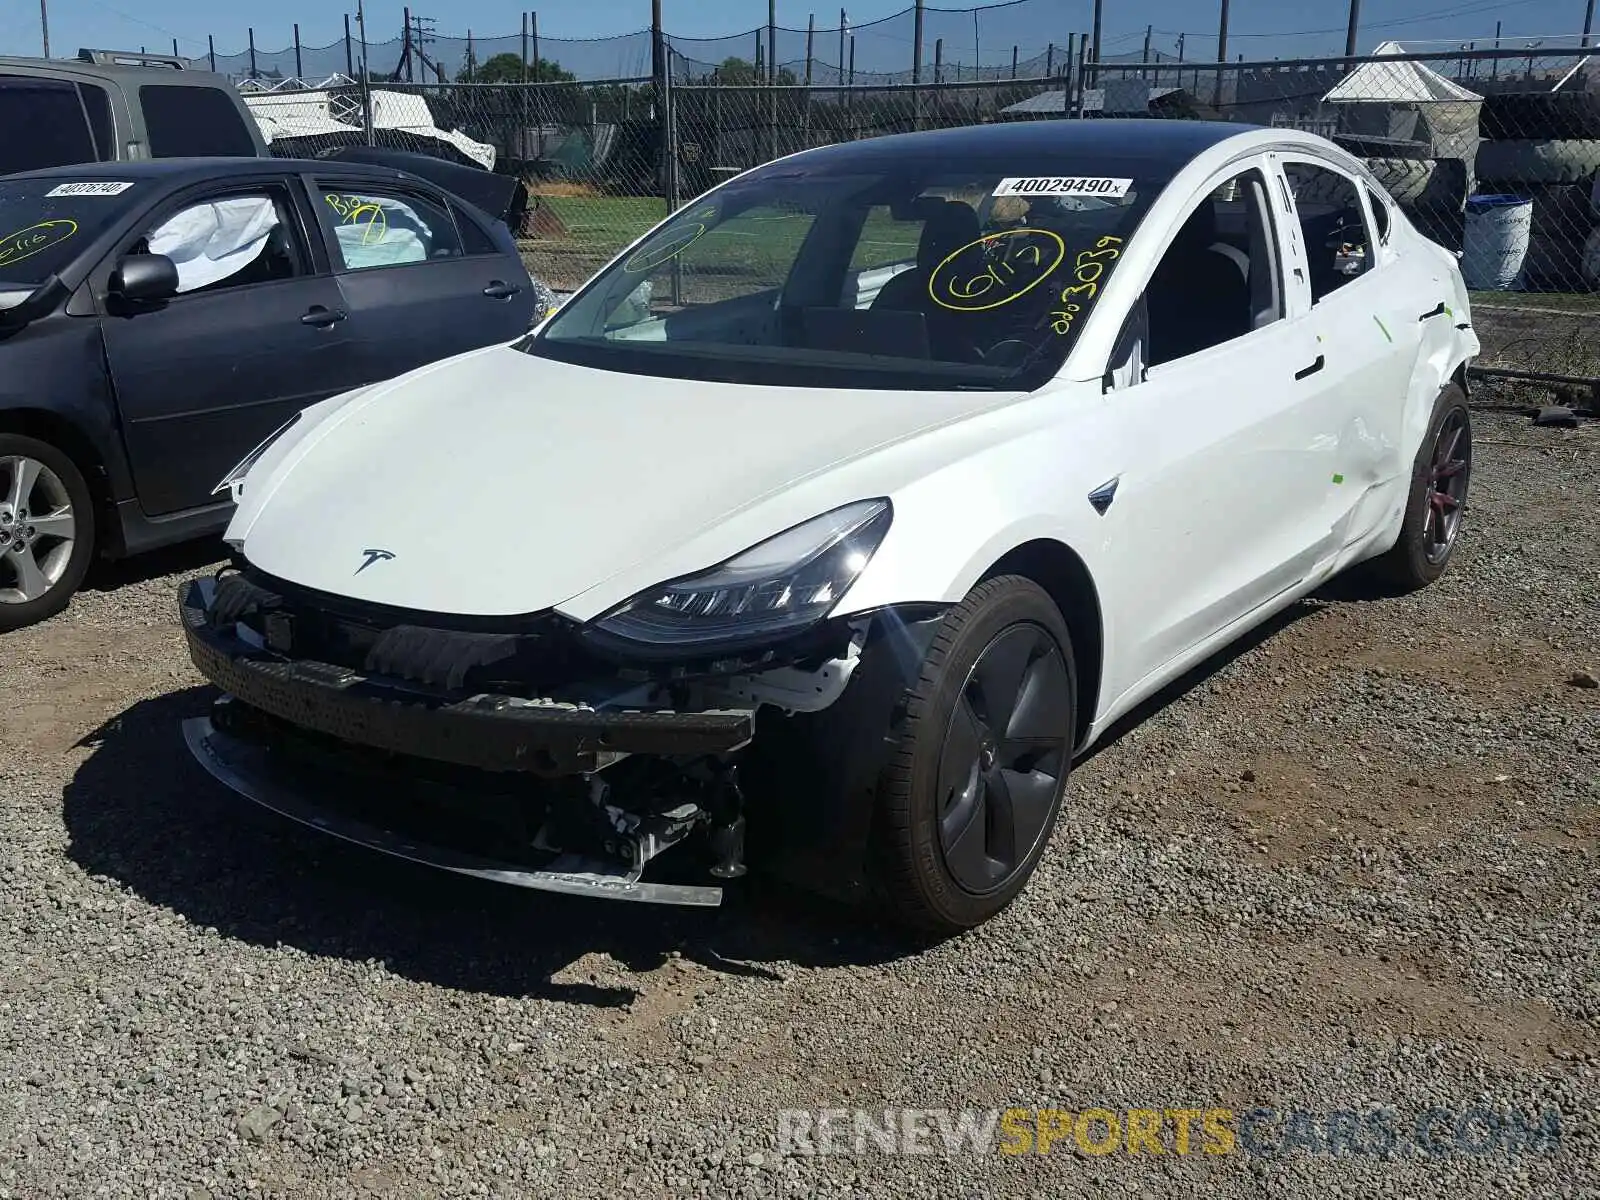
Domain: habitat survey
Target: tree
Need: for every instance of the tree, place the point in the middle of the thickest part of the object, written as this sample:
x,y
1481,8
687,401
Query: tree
x,y
507,68
739,72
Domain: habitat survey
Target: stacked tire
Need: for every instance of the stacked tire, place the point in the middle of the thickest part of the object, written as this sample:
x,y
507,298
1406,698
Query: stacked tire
x,y
1546,146
1432,190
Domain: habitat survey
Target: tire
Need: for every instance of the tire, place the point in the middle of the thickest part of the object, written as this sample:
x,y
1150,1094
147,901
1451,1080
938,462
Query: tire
x,y
1590,267
1368,146
1416,559
1528,162
1405,179
1553,263
60,562
944,862
1541,116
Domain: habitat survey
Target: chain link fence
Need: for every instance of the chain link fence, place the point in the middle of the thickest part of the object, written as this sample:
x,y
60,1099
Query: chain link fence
x,y
1494,155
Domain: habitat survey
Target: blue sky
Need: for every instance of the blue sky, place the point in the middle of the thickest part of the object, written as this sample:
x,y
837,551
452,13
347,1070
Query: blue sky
x,y
1259,28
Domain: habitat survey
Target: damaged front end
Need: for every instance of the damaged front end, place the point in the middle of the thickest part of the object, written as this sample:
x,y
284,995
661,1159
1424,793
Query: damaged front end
x,y
519,754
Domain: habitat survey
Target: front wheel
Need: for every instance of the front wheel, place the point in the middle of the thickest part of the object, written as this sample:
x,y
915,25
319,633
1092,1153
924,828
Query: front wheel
x,y
976,782
46,530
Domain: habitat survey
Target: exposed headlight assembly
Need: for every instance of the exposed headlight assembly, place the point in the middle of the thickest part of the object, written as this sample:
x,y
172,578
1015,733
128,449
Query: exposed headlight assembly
x,y
777,588
233,481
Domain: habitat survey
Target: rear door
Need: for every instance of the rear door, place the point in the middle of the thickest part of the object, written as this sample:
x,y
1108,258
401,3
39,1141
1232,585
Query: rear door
x,y
1367,313
255,334
421,277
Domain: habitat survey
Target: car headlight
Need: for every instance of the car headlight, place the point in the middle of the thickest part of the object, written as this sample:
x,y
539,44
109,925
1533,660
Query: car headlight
x,y
778,587
233,481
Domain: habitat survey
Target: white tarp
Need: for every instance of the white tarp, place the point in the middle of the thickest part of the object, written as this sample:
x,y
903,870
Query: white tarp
x,y
1395,82
409,114
312,113
212,241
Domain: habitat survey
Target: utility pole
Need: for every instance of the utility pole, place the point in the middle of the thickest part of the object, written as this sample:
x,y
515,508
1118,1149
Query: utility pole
x,y
44,25
1355,24
1095,48
1588,22
1222,51
1494,66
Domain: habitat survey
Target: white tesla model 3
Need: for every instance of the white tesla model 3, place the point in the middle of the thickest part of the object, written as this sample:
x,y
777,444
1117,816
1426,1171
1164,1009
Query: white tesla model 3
x,y
826,525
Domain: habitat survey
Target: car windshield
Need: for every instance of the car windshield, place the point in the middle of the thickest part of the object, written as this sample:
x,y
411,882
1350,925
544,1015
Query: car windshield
x,y
44,223
849,273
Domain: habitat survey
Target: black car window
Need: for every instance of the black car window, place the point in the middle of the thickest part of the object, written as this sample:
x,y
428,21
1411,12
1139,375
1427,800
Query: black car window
x,y
386,227
44,123
228,240
46,222
194,122
1338,246
97,106
474,240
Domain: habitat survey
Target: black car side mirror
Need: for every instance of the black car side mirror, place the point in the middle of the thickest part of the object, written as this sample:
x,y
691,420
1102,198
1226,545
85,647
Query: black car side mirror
x,y
144,277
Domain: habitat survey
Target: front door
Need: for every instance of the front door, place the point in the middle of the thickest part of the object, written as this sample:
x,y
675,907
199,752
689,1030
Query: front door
x,y
1223,462
253,336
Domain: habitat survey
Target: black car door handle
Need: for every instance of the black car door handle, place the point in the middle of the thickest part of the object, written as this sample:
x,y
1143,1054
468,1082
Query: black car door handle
x,y
1438,312
1303,372
322,317
499,289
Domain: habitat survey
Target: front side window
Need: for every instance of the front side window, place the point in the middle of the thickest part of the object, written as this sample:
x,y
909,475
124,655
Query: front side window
x,y
227,242
194,122
1332,226
383,227
1220,278
865,274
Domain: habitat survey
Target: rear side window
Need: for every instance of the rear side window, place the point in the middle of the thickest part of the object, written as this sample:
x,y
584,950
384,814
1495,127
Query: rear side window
x,y
44,123
194,122
473,238
1332,224
386,227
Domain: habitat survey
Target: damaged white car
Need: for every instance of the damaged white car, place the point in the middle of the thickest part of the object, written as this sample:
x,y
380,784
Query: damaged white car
x,y
824,527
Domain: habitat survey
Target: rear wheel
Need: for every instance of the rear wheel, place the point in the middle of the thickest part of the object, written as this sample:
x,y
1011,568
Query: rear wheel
x,y
976,782
1436,502
46,530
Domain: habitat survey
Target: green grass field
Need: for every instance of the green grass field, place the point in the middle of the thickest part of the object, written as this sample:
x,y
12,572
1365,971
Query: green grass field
x,y
596,227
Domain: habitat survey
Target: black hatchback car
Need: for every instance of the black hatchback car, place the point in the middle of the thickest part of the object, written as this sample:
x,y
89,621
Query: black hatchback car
x,y
158,319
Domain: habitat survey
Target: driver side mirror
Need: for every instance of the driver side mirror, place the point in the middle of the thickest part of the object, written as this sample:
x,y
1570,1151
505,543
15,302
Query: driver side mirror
x,y
144,277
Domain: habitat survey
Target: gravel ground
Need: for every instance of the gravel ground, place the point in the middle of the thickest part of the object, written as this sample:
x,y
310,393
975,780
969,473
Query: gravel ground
x,y
1350,866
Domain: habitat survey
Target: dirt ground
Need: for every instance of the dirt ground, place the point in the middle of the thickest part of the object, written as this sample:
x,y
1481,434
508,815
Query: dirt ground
x,y
1350,864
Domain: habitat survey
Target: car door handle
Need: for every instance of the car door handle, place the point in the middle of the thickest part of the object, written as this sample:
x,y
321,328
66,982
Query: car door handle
x,y
1437,312
499,289
1305,372
321,317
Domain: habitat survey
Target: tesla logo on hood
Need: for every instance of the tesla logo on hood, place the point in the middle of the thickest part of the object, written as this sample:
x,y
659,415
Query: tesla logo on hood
x,y
374,556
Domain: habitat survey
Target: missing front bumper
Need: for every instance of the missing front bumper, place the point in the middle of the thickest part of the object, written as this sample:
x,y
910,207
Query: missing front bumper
x,y
251,771
489,732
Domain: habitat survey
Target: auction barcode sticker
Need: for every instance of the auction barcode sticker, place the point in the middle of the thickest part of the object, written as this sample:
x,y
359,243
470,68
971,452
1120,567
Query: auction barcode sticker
x,y
1071,185
91,188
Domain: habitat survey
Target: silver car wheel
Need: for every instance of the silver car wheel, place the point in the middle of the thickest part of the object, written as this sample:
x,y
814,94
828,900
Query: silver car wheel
x,y
37,529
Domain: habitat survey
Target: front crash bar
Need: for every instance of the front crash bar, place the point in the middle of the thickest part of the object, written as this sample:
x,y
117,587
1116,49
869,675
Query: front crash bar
x,y
247,769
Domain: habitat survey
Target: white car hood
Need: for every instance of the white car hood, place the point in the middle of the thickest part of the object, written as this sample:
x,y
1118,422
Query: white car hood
x,y
498,483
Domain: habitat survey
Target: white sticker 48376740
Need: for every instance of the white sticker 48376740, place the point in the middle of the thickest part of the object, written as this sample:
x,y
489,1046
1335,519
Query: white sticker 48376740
x,y
92,187
1070,185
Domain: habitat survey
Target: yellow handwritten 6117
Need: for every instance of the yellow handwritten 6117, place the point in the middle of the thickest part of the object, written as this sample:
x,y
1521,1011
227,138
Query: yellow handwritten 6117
x,y
35,239
1026,258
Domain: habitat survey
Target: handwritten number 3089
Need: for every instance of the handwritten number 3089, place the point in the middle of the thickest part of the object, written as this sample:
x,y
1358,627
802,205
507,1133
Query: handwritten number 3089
x,y
1088,269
